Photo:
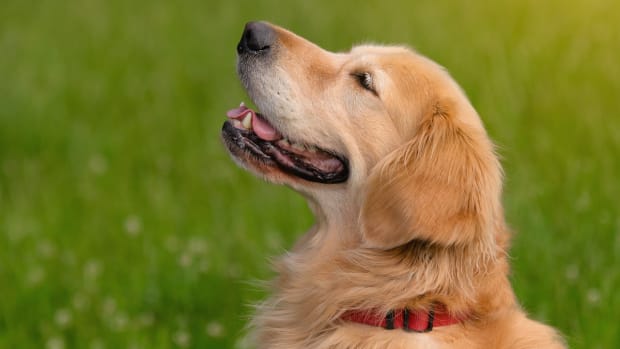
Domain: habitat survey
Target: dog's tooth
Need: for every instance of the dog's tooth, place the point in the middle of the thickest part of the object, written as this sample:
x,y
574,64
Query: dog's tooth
x,y
242,104
247,121
237,123
285,142
312,149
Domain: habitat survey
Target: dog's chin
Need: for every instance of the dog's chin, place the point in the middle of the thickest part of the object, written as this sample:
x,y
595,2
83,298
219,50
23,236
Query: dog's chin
x,y
258,147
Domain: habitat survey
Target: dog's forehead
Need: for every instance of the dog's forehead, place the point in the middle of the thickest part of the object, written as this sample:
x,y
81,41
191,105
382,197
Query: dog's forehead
x,y
377,51
381,56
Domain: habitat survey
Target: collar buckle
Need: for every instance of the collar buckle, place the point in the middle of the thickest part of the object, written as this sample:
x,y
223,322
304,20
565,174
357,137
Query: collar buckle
x,y
429,324
390,321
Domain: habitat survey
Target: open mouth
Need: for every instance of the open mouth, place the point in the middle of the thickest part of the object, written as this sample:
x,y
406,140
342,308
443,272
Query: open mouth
x,y
248,133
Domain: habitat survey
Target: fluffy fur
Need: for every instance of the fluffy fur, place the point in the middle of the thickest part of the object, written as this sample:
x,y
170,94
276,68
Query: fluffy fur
x,y
419,221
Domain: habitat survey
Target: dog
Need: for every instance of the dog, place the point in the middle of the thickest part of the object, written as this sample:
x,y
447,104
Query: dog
x,y
409,249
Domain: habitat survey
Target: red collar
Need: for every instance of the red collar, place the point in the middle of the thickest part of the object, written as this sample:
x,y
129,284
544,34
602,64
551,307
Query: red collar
x,y
411,321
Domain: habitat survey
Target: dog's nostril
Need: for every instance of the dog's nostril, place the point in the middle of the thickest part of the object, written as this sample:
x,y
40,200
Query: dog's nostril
x,y
257,37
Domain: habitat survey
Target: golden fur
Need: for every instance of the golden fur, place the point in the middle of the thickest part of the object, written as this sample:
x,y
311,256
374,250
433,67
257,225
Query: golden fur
x,y
419,221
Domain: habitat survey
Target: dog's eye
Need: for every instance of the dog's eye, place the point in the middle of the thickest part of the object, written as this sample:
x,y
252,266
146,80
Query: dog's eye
x,y
365,80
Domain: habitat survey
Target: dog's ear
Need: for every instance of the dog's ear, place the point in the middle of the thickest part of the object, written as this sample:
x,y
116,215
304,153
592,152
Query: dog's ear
x,y
442,186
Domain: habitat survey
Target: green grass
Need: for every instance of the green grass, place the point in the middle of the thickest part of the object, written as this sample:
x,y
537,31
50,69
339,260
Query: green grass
x,y
123,224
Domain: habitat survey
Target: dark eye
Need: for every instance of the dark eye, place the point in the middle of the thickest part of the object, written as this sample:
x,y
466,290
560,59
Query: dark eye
x,y
365,80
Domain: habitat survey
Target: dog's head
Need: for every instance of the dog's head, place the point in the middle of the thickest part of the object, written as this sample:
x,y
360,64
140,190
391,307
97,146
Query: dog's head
x,y
379,138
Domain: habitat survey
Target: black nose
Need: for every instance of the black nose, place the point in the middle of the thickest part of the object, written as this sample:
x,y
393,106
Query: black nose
x,y
257,37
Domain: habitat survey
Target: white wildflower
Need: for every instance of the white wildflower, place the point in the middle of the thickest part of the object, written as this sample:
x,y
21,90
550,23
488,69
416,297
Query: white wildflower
x,y
92,269
108,307
197,245
35,276
145,319
46,249
572,272
63,317
593,296
185,259
215,329
97,164
80,301
182,338
133,225
120,321
55,343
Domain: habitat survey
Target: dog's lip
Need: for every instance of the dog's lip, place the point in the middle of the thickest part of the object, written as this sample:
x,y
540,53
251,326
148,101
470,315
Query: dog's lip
x,y
257,137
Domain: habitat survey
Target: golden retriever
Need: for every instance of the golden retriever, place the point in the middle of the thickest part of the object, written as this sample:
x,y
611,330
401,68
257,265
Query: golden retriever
x,y
409,246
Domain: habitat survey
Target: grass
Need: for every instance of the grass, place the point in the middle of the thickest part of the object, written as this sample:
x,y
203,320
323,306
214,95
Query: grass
x,y
123,224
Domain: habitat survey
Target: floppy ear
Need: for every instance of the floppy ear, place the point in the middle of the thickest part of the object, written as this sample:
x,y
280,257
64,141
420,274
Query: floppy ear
x,y
442,186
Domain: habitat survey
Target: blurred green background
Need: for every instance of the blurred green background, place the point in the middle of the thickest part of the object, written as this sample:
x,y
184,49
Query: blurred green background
x,y
123,223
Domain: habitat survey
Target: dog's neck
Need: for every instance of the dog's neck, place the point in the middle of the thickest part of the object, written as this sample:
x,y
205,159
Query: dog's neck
x,y
332,214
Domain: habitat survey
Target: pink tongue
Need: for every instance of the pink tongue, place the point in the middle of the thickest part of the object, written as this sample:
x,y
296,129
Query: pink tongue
x,y
264,130
260,126
237,113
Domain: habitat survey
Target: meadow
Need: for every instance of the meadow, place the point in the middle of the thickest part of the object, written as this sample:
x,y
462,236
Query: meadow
x,y
124,224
